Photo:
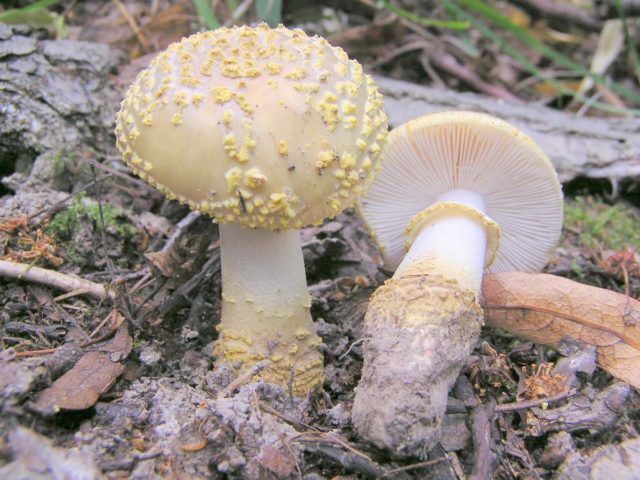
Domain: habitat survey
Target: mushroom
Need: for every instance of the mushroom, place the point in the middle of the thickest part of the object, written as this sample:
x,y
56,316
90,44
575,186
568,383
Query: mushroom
x,y
460,192
265,130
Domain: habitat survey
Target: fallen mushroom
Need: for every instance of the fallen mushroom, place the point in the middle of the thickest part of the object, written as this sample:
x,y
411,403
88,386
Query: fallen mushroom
x,y
462,192
265,130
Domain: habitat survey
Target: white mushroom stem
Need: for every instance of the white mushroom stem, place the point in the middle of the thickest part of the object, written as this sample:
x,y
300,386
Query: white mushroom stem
x,y
422,324
266,306
452,240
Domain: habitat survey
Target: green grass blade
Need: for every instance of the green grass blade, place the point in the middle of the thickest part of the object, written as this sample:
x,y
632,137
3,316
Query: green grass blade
x,y
426,22
269,11
529,40
15,14
206,15
527,65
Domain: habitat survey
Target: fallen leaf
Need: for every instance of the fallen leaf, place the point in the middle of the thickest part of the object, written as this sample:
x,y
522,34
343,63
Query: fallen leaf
x,y
610,44
545,308
90,377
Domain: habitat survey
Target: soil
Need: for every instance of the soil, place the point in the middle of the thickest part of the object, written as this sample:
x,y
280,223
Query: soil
x,y
140,397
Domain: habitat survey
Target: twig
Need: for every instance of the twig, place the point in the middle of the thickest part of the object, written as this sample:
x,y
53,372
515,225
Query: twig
x,y
332,439
179,229
485,459
347,460
454,461
102,323
73,293
301,425
178,296
36,353
427,463
124,176
55,206
103,236
243,378
144,43
357,342
526,404
149,296
51,278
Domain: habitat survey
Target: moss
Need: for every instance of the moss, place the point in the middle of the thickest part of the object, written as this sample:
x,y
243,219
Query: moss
x,y
67,223
596,224
59,162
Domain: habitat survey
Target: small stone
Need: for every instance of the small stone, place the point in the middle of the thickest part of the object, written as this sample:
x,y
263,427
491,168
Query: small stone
x,y
150,356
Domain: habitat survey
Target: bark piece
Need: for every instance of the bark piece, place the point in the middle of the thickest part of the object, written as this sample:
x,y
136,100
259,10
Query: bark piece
x,y
544,308
620,462
577,146
95,372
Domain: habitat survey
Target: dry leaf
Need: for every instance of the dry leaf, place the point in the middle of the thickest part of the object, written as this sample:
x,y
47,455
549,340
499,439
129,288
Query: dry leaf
x,y
610,44
91,376
544,308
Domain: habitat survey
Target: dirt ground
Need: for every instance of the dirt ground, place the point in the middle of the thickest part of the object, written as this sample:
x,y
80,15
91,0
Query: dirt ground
x,y
93,386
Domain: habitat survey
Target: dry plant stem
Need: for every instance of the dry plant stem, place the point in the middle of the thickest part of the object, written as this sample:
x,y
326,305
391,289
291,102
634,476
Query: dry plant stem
x,y
538,402
266,307
144,43
51,278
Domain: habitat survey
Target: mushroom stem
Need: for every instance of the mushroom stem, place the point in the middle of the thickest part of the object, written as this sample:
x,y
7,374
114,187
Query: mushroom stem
x,y
452,239
422,324
266,307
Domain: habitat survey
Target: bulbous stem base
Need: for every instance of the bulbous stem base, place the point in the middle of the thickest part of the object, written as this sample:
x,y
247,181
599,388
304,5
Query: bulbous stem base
x,y
419,332
266,308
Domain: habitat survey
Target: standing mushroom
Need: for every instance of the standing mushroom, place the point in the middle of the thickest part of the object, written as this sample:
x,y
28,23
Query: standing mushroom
x,y
265,130
461,192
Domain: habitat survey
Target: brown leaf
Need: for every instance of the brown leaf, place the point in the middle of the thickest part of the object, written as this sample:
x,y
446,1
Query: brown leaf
x,y
544,308
95,372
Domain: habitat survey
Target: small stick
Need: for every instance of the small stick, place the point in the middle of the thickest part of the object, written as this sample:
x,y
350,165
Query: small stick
x,y
320,436
69,197
51,278
485,460
36,353
179,228
243,378
269,409
427,463
357,342
73,293
133,25
526,404
103,236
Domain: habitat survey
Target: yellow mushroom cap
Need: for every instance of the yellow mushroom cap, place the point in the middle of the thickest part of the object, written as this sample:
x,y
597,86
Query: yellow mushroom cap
x,y
445,151
263,127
